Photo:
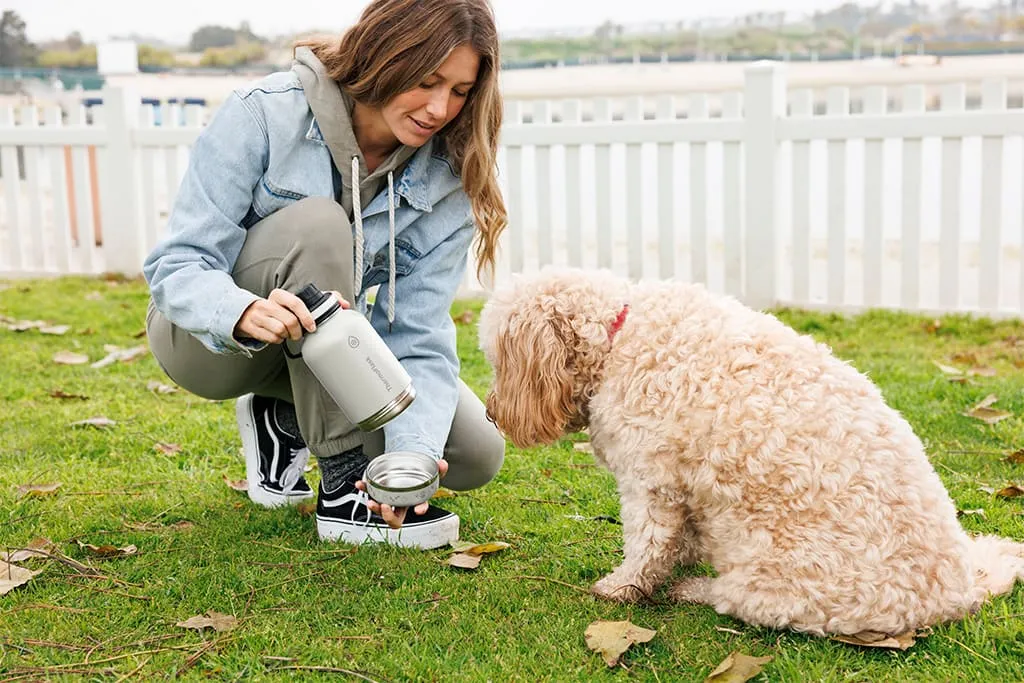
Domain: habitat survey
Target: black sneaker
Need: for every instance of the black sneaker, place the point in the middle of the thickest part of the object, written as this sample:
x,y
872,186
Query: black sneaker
x,y
342,515
274,459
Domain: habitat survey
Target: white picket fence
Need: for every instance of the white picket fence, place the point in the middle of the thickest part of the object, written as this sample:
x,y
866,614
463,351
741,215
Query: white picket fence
x,y
753,192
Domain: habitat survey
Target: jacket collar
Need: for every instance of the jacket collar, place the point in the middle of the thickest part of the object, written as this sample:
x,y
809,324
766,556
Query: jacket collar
x,y
411,186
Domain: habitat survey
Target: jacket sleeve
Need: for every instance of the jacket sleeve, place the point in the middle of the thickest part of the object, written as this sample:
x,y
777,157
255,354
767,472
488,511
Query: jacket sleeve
x,y
423,337
189,272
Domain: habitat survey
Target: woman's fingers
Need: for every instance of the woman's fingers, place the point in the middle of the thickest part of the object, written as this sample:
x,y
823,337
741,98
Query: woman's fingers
x,y
292,312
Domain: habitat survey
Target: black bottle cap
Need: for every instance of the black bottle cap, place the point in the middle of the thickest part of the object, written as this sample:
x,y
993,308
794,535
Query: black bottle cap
x,y
312,296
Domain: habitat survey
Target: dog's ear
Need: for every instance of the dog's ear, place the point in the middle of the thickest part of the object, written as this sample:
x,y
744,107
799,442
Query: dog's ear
x,y
532,399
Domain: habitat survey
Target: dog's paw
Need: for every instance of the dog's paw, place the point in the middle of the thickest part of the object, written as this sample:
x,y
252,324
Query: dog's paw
x,y
614,589
691,589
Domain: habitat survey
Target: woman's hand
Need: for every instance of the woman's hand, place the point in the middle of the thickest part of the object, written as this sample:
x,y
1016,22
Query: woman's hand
x,y
279,317
395,517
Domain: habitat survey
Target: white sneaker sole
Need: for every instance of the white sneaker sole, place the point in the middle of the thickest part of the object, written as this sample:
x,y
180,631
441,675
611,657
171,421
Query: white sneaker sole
x,y
251,451
424,536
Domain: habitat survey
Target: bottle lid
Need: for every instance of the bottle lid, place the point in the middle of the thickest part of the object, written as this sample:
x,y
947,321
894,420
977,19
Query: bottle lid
x,y
312,296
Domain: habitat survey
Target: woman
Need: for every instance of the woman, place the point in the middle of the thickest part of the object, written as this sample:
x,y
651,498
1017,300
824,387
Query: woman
x,y
370,162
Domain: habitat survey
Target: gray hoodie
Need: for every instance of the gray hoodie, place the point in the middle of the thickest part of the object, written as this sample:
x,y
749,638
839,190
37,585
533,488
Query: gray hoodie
x,y
332,109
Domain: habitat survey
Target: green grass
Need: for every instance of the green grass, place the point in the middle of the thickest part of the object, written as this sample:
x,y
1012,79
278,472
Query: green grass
x,y
404,615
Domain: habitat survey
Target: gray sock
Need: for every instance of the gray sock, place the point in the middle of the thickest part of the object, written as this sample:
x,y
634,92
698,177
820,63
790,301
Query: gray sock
x,y
284,413
344,467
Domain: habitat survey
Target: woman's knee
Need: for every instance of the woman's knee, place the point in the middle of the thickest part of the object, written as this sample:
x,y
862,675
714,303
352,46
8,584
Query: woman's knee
x,y
476,460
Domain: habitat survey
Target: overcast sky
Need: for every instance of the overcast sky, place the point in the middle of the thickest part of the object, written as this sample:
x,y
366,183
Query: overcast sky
x,y
174,20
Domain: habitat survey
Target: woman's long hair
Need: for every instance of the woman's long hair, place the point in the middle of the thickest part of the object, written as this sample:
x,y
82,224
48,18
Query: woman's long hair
x,y
394,47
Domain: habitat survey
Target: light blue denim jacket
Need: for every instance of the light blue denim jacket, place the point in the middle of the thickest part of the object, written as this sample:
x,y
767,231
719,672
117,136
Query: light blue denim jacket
x,y
262,151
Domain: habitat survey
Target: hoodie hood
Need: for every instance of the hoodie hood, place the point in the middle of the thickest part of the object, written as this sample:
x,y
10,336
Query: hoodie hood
x,y
332,109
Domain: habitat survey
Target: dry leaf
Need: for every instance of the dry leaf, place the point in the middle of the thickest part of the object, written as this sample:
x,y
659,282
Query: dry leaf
x,y
140,334
984,412
98,422
971,513
933,326
479,548
12,576
306,508
737,668
107,551
948,369
1017,457
37,490
167,448
443,493
464,318
583,447
115,354
60,393
70,358
55,329
1011,491
160,388
31,550
902,641
237,484
25,325
464,561
215,620
980,371
613,638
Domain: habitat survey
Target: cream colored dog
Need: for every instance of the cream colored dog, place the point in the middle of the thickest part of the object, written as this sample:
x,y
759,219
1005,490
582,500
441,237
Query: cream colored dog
x,y
738,442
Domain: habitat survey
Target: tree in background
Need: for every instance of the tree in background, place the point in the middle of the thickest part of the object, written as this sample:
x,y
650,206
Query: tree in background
x,y
15,48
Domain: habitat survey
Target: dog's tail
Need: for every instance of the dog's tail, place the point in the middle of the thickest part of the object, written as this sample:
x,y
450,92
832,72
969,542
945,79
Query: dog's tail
x,y
998,564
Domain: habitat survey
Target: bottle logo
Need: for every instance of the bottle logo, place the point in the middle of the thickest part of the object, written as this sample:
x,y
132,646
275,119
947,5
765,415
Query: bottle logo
x,y
380,375
353,342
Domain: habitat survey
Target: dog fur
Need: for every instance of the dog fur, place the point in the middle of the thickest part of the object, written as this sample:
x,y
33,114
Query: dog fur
x,y
738,442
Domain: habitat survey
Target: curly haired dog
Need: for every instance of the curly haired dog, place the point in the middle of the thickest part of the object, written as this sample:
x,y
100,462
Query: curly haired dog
x,y
738,442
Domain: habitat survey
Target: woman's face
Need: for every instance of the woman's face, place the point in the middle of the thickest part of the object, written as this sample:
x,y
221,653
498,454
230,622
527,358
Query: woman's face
x,y
417,114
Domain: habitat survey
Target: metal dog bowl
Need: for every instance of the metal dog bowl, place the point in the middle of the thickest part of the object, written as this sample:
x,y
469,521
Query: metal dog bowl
x,y
401,478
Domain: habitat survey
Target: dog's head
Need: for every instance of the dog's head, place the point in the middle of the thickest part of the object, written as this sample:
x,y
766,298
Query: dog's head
x,y
544,335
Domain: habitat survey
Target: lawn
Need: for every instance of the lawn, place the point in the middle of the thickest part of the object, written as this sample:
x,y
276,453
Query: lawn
x,y
155,482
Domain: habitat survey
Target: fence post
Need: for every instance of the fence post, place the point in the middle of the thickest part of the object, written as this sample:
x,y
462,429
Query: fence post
x,y
764,103
119,184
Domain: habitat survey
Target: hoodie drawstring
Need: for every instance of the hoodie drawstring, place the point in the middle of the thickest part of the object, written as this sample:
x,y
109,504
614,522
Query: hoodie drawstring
x,y
357,213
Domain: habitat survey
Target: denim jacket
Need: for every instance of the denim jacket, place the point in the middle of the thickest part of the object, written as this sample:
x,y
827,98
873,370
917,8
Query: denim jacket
x,y
262,151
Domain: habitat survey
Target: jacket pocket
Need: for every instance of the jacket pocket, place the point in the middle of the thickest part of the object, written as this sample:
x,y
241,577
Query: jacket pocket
x,y
269,198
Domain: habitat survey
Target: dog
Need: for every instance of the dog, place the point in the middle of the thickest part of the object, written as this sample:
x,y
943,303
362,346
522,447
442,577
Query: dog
x,y
737,442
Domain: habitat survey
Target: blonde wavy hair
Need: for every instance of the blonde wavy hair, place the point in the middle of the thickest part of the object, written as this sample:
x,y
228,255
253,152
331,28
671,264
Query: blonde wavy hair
x,y
393,47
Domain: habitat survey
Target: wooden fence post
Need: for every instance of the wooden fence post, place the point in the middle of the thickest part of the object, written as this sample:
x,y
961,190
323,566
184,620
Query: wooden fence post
x,y
119,184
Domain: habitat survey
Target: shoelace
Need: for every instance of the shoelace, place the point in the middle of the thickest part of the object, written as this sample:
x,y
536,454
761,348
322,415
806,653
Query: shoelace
x,y
291,475
362,501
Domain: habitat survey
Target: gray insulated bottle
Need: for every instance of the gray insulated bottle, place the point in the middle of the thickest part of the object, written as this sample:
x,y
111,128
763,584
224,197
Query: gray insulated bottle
x,y
353,363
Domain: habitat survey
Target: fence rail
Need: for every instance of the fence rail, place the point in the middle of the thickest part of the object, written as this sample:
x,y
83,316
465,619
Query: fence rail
x,y
762,193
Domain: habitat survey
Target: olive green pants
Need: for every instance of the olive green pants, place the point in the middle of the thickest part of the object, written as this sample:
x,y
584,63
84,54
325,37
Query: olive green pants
x,y
310,241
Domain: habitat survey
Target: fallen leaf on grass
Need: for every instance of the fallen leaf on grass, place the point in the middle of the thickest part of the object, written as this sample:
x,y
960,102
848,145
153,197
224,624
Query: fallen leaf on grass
x,y
982,411
98,422
107,551
215,620
37,490
902,641
12,576
167,448
583,447
612,638
160,388
468,555
948,369
971,513
737,668
25,325
1011,491
933,326
55,329
237,484
115,354
442,493
60,393
31,550
464,318
70,358
306,508
980,371
1017,457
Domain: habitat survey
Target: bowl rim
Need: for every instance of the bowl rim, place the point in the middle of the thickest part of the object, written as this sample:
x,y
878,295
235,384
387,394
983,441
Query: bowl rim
x,y
435,473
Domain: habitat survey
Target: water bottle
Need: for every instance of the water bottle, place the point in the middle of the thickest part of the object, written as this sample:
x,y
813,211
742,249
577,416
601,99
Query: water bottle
x,y
353,363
